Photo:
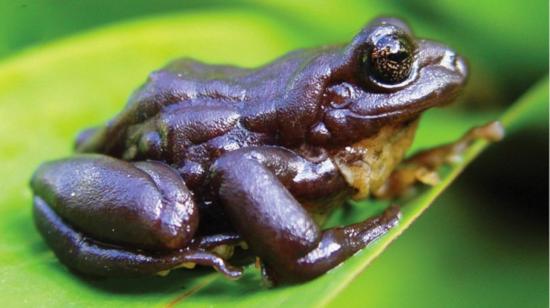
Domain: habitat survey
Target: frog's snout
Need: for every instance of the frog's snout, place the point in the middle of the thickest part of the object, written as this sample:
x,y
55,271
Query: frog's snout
x,y
433,55
453,62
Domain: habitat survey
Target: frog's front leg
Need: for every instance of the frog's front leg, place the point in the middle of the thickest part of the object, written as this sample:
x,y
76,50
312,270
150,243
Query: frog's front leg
x,y
254,186
423,166
103,216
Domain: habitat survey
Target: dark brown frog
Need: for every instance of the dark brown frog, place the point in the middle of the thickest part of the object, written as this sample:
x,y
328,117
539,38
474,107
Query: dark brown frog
x,y
205,158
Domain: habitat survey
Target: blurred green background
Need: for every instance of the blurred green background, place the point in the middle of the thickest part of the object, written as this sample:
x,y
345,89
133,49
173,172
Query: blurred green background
x,y
485,241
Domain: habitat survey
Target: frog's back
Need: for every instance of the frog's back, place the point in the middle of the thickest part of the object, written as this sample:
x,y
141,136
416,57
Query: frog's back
x,y
251,93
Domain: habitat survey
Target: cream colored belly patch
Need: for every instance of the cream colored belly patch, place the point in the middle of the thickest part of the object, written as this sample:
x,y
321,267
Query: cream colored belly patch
x,y
367,164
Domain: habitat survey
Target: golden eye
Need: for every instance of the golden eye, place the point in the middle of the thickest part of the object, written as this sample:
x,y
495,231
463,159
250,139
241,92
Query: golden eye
x,y
390,60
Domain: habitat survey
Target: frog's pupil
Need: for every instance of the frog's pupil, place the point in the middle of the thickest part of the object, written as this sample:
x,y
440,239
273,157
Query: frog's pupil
x,y
399,56
390,60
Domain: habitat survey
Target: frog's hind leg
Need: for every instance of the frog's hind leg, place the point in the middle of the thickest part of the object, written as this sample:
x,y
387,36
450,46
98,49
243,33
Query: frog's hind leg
x,y
139,204
422,167
90,257
90,208
253,186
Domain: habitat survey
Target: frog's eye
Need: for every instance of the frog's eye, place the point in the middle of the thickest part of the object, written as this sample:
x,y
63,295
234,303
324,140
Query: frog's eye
x,y
390,59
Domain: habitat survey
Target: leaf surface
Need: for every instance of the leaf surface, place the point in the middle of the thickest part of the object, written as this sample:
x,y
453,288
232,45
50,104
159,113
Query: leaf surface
x,y
48,94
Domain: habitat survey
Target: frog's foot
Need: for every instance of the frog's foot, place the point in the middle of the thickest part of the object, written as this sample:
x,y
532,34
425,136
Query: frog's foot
x,y
91,257
422,167
275,225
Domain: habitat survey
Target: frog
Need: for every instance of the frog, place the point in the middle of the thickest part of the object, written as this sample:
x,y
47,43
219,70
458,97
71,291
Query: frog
x,y
207,159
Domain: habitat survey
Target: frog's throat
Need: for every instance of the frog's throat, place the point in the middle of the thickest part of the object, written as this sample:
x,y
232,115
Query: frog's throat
x,y
367,163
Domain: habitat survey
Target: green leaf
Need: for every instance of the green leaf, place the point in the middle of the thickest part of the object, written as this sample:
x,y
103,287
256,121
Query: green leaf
x,y
49,93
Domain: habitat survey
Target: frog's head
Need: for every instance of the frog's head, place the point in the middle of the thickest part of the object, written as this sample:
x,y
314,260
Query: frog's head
x,y
385,76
